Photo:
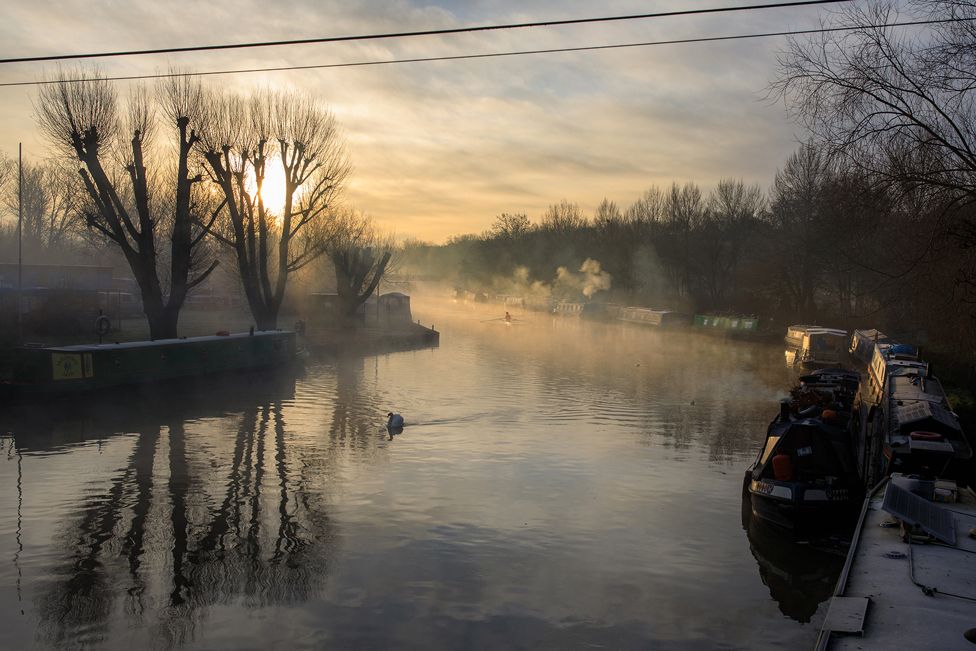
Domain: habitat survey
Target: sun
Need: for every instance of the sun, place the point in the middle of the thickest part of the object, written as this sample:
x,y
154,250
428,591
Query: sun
x,y
273,188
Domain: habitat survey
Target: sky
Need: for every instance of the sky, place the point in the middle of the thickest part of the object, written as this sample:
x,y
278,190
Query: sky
x,y
441,148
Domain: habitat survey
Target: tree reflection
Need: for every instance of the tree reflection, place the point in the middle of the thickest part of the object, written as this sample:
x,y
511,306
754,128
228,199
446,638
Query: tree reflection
x,y
355,414
190,521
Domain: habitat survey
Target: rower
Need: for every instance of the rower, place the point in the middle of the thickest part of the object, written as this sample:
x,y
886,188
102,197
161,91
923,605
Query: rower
x,y
508,317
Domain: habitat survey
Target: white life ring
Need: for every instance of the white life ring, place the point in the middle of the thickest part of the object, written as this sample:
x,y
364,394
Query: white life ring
x,y
103,325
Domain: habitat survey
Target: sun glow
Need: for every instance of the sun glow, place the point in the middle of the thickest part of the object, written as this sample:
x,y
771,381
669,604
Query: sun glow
x,y
273,188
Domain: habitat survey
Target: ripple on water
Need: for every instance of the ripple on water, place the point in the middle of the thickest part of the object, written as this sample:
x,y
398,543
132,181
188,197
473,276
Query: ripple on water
x,y
547,491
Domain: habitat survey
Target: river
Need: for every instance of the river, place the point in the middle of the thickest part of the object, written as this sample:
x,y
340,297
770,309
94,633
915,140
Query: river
x,y
560,484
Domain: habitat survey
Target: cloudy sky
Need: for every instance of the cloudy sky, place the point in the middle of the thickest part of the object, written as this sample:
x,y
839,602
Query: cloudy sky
x,y
441,148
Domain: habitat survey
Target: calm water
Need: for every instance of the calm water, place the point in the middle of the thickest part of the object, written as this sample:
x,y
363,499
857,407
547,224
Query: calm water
x,y
560,484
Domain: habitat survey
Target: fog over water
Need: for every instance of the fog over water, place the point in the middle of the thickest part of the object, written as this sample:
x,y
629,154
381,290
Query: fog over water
x,y
559,484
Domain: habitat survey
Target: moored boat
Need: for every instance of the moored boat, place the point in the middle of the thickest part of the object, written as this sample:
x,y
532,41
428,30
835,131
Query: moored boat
x,y
913,421
815,346
41,370
890,359
733,325
805,475
863,343
652,317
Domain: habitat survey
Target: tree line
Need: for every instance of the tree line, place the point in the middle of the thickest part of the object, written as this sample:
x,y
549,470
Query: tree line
x,y
869,223
175,179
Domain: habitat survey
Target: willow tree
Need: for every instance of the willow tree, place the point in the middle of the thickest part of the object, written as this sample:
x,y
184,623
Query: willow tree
x,y
141,200
248,138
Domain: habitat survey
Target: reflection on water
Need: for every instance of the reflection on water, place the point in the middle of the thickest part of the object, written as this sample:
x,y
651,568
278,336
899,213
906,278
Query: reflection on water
x,y
559,484
800,575
185,522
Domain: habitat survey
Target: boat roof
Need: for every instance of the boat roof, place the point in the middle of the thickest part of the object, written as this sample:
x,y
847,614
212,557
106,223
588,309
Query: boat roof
x,y
157,342
872,334
915,386
882,569
835,332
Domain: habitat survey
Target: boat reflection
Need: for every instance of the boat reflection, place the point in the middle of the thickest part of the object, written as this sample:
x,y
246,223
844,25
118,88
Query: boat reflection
x,y
186,522
800,575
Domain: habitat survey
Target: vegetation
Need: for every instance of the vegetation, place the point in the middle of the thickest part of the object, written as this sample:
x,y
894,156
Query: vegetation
x,y
245,138
825,244
148,208
175,179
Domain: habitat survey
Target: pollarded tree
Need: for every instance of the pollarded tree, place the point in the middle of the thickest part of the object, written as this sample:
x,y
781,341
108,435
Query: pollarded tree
x,y
248,138
140,201
360,256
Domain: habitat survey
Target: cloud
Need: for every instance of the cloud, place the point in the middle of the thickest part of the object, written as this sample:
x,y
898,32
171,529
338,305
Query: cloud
x,y
441,148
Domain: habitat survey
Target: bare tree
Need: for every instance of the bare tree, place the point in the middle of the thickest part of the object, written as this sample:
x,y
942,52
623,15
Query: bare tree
x,y
360,256
733,210
897,104
81,114
607,215
799,212
246,139
52,197
563,217
648,209
510,226
7,170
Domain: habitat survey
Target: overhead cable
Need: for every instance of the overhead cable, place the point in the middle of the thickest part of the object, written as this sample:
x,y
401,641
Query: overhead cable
x,y
426,32
488,55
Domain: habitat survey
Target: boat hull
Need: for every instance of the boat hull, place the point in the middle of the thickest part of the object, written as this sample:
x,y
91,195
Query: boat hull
x,y
81,369
799,513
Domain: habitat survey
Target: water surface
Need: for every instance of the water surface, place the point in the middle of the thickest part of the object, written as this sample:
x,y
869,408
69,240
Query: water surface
x,y
560,484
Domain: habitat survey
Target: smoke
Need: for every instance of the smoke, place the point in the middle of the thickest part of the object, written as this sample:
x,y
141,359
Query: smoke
x,y
566,286
590,279
519,285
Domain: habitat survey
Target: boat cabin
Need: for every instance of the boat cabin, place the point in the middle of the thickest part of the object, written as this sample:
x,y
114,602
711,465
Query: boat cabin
x,y
806,473
863,343
891,359
817,346
915,422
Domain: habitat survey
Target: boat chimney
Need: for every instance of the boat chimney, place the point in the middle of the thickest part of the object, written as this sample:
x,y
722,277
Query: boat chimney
x,y
784,411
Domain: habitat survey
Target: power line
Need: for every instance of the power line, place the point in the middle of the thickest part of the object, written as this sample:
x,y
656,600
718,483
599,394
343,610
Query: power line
x,y
428,32
586,48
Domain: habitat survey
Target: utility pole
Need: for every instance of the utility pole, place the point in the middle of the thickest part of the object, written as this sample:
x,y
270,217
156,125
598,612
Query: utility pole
x,y
20,242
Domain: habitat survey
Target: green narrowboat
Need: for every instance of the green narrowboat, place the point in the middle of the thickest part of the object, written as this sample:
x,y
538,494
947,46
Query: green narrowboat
x,y
87,367
735,325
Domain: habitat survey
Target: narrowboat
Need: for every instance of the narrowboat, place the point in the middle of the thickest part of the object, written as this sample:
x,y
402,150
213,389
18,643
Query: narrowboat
x,y
912,422
652,317
805,476
817,346
90,367
735,325
890,359
794,335
863,343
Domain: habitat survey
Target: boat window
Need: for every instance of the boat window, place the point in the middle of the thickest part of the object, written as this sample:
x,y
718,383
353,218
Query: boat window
x,y
819,459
